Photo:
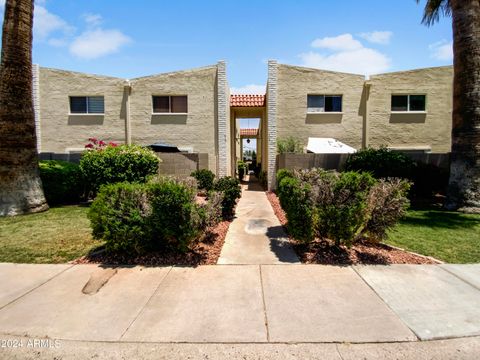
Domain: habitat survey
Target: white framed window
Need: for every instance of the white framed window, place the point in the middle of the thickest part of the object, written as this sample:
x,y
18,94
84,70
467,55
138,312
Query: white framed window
x,y
87,105
408,103
177,104
324,103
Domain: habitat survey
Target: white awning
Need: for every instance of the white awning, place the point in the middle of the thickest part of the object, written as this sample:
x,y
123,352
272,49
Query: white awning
x,y
328,146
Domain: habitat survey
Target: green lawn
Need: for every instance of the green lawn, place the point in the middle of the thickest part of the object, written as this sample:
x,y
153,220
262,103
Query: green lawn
x,y
448,236
55,236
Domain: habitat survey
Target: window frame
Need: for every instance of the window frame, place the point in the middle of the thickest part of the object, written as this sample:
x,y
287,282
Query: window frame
x,y
169,105
324,102
70,113
408,111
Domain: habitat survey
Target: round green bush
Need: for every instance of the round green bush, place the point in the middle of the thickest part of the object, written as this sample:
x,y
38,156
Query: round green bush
x,y
135,218
62,181
131,163
204,178
230,188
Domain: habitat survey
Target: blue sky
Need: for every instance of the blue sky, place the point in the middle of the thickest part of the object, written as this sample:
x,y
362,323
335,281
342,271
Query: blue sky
x,y
137,38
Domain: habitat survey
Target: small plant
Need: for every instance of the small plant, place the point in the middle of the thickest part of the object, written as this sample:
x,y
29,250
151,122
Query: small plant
x,y
204,178
230,188
289,144
112,164
242,169
96,144
62,181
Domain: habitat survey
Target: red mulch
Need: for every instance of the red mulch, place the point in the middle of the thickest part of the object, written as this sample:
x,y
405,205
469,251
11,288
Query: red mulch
x,y
323,251
206,251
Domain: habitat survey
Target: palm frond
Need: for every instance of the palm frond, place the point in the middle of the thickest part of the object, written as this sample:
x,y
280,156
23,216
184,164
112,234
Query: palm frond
x,y
433,10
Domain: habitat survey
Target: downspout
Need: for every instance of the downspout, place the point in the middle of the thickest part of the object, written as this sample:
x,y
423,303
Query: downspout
x,y
128,130
366,125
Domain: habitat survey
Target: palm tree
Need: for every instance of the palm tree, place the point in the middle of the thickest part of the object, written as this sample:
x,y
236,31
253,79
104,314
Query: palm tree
x,y
20,186
464,183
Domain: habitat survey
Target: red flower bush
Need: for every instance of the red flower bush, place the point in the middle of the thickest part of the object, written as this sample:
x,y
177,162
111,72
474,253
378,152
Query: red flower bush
x,y
96,144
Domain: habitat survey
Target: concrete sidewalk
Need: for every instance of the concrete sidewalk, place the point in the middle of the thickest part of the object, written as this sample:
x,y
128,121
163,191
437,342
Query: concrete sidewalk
x,y
256,236
240,303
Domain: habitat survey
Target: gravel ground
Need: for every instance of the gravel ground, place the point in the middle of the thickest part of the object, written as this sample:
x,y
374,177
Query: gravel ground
x,y
322,251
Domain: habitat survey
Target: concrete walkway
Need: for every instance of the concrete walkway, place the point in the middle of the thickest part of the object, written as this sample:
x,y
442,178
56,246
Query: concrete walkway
x,y
268,304
256,236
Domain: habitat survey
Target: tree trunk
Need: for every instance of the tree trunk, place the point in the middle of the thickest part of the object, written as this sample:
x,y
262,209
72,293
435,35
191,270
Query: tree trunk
x,y
464,184
20,185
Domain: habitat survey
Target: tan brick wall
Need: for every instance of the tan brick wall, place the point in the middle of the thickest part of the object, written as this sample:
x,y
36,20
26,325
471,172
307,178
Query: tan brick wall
x,y
295,83
196,129
432,129
59,130
180,164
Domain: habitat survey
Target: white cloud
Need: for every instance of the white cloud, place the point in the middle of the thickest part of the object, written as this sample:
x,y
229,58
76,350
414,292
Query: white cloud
x,y
248,89
377,37
441,50
93,19
45,23
340,42
2,3
345,54
93,44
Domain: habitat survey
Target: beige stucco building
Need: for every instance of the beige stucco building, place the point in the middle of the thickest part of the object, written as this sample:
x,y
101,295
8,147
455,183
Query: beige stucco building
x,y
193,109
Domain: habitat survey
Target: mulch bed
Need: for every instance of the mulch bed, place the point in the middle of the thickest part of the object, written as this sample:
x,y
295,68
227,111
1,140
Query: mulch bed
x,y
205,251
323,251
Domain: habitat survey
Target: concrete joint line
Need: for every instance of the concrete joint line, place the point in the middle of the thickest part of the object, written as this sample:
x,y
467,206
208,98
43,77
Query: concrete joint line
x,y
36,287
145,305
264,303
458,277
388,306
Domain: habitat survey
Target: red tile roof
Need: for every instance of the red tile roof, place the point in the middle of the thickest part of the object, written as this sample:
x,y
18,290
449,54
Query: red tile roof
x,y
248,132
247,100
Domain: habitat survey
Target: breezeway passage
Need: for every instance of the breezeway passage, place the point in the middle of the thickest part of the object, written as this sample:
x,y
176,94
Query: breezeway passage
x,y
241,303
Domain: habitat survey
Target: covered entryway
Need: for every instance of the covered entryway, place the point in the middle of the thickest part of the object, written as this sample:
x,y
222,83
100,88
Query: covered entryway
x,y
248,130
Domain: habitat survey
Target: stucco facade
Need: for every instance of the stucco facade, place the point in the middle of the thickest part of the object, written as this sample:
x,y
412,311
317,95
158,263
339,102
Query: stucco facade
x,y
429,130
209,125
60,131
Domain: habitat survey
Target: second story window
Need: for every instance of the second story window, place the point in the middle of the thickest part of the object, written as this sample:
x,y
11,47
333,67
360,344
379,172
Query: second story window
x,y
403,103
324,103
170,104
87,105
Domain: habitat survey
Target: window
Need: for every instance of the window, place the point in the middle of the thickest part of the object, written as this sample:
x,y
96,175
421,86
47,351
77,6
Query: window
x,y
170,104
87,105
324,103
408,102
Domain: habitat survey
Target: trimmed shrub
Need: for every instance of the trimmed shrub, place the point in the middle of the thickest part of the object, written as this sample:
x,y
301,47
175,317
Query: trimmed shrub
x,y
387,204
134,217
344,207
204,178
295,198
344,217
230,188
113,164
62,181
283,173
211,211
381,163
120,215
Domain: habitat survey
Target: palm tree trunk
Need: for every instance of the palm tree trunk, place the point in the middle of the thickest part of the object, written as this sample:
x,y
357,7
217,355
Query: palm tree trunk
x,y
20,185
464,187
